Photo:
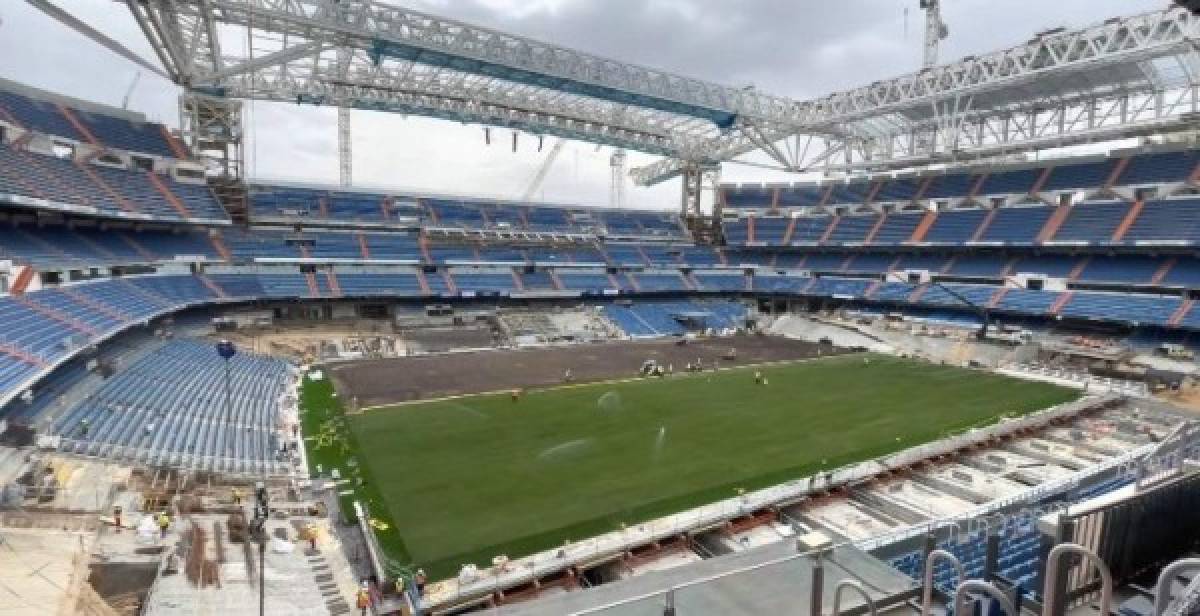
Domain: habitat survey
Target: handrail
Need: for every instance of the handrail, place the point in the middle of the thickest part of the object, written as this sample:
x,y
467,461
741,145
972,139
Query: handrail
x,y
927,597
1050,590
857,587
987,588
1162,589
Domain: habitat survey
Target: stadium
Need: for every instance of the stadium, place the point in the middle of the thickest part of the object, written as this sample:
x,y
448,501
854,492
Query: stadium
x,y
943,360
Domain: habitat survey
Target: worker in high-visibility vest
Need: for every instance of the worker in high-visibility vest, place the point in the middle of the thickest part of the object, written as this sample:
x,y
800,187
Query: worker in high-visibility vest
x,y
164,523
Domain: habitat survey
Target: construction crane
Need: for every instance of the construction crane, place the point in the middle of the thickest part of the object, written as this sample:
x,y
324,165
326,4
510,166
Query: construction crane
x,y
345,136
129,91
936,30
539,178
345,148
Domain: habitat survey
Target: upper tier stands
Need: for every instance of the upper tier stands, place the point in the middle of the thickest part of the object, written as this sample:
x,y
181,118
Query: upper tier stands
x,y
1156,168
86,187
60,120
326,207
1174,221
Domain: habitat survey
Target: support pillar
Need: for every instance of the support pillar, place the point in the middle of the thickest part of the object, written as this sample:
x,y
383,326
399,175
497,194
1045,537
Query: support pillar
x,y
699,178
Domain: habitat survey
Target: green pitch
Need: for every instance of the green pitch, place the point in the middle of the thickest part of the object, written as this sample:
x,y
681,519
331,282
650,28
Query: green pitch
x,y
463,480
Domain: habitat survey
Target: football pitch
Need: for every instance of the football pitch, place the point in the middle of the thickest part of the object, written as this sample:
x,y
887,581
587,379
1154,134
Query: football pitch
x,y
460,481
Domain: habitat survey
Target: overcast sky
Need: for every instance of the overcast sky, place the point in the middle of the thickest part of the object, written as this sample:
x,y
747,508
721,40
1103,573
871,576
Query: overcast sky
x,y
798,48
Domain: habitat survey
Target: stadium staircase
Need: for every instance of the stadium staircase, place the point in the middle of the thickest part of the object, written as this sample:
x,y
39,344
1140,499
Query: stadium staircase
x,y
96,306
922,188
983,226
174,143
833,224
751,227
20,282
106,188
875,229
423,282
385,207
213,286
997,298
788,233
137,247
448,278
1115,176
218,244
977,186
873,192
1061,302
310,278
55,315
518,284
21,355
1040,183
1184,309
233,197
1079,268
1129,220
79,126
364,250
167,194
1056,220
153,298
423,243
332,279
1163,271
923,227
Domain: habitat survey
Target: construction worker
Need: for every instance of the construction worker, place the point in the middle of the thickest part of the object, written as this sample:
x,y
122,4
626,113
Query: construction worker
x,y
363,598
311,534
83,427
164,523
237,496
420,581
117,517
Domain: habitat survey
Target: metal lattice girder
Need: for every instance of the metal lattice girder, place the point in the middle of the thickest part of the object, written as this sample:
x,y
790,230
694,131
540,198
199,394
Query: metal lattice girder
x,y
1057,73
389,30
345,54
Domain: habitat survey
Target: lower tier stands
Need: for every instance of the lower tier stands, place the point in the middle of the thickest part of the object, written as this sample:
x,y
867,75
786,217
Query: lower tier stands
x,y
44,328
170,409
654,319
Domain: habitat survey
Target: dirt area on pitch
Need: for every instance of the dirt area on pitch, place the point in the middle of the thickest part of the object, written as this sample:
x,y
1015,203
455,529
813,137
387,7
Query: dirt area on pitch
x,y
390,381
